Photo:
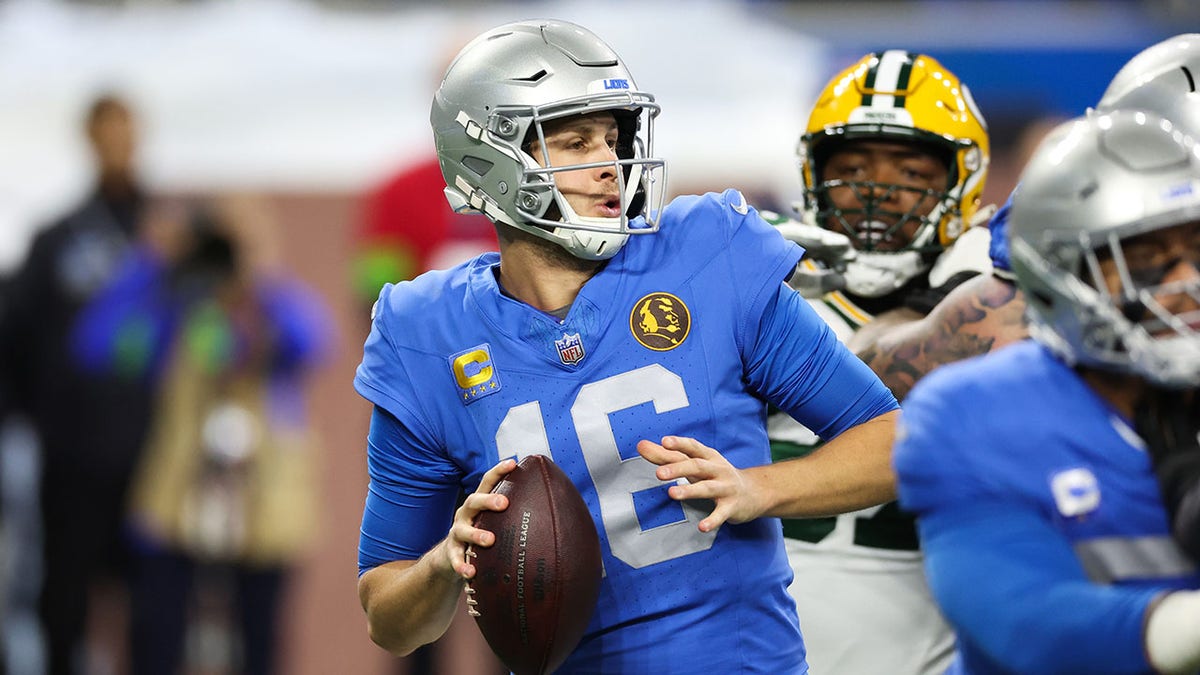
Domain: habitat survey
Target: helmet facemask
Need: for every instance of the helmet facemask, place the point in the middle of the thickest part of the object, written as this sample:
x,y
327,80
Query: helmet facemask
x,y
639,180
868,226
500,92
887,256
1096,238
1134,331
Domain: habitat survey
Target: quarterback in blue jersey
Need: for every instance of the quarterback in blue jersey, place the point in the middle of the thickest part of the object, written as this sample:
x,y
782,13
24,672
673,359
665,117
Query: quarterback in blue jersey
x,y
635,343
1047,542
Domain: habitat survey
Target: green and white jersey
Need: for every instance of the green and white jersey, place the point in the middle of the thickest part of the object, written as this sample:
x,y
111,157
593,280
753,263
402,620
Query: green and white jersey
x,y
859,586
880,533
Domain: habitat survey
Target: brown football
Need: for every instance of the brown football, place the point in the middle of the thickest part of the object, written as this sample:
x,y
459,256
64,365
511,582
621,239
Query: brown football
x,y
535,588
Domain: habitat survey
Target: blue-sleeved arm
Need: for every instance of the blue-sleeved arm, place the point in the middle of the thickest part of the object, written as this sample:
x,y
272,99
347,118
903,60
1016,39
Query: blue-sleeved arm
x,y
1005,577
798,364
410,503
126,327
1012,586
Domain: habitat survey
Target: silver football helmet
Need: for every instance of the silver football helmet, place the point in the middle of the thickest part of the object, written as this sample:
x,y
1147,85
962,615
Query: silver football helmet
x,y
1160,79
493,102
1092,184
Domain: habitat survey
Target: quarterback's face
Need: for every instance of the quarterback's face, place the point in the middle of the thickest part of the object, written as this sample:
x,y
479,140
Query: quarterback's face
x,y
882,184
1165,263
584,139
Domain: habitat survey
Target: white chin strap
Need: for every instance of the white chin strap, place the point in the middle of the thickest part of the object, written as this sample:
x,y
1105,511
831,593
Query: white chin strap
x,y
871,275
600,244
1172,361
589,245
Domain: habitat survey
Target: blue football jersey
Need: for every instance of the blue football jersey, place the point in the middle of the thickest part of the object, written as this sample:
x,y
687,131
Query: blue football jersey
x,y
1044,533
688,331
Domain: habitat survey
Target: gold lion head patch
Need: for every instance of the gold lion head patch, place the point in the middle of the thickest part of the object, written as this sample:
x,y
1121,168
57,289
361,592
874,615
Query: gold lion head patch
x,y
660,321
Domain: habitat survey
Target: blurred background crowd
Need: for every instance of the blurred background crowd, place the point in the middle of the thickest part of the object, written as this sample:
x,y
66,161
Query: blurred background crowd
x,y
199,200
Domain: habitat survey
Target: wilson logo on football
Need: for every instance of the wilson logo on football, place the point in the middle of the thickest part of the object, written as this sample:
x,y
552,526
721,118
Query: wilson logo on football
x,y
660,321
474,373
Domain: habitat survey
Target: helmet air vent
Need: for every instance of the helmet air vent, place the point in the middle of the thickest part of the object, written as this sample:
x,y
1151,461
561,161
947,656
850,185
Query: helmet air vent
x,y
531,78
478,165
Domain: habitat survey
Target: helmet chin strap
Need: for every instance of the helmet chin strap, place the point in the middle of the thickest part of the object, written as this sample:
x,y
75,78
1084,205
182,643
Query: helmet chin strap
x,y
874,274
1172,362
584,244
591,245
610,235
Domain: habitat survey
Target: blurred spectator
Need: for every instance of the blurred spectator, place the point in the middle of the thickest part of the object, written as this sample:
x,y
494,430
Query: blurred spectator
x,y
90,426
407,225
225,489
6,538
409,228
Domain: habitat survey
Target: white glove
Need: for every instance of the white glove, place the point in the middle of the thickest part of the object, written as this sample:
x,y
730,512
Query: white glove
x,y
815,283
1173,633
832,248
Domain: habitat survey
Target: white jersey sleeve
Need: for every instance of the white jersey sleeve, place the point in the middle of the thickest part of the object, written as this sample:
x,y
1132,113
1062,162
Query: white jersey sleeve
x,y
968,254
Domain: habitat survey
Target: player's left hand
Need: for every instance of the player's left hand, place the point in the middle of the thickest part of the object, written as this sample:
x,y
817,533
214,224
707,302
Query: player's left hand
x,y
463,534
707,475
1169,422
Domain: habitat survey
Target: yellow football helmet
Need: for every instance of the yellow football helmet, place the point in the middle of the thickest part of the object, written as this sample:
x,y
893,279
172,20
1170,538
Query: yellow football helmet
x,y
897,95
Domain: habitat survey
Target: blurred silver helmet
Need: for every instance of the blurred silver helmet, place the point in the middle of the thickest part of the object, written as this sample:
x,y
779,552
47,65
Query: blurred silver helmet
x,y
1093,183
1161,79
494,100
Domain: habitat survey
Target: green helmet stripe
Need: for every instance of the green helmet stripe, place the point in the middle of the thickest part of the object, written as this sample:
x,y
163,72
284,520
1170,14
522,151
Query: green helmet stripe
x,y
869,83
902,79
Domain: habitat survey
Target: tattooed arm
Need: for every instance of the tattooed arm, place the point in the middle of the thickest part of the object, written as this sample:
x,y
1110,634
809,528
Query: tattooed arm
x,y
982,314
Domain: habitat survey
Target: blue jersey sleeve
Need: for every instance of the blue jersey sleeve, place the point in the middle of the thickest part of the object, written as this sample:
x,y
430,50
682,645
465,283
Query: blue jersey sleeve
x,y
411,496
380,372
797,363
761,259
1013,587
413,481
735,256
1005,578
382,378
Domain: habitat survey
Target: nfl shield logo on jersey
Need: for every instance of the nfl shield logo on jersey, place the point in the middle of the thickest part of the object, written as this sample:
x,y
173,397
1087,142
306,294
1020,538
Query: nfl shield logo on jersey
x,y
570,349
